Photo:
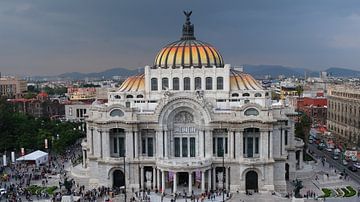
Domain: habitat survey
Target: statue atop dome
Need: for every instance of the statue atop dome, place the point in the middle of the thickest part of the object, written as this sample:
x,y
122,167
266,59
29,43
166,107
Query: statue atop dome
x,y
188,28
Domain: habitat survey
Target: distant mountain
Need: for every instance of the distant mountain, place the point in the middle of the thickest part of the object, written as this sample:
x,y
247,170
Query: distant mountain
x,y
259,71
107,74
342,72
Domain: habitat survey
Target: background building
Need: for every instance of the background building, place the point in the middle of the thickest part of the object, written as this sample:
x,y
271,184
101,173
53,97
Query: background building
x,y
343,118
12,87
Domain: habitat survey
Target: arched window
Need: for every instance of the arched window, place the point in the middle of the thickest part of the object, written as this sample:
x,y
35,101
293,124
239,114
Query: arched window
x,y
197,83
129,96
245,94
186,83
257,94
116,112
165,83
251,112
117,97
176,85
220,83
235,95
139,96
154,84
208,83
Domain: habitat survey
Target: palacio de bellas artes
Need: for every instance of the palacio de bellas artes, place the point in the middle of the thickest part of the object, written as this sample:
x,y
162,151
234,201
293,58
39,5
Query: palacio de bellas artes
x,y
190,122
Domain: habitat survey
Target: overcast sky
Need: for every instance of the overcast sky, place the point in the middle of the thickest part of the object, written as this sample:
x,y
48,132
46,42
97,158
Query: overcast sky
x,y
41,37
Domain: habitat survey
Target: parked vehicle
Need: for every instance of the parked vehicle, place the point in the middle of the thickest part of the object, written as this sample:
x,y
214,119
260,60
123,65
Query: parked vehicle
x,y
353,158
2,191
344,162
352,168
335,157
328,149
357,165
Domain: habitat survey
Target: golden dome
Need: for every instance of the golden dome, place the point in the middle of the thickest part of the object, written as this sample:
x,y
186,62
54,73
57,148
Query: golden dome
x,y
188,51
133,84
242,81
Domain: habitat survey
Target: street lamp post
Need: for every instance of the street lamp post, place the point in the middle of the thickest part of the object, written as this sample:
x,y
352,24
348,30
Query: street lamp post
x,y
124,175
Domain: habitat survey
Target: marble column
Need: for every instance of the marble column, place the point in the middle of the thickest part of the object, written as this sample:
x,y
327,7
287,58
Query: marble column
x,y
106,143
166,140
190,183
203,181
136,144
174,182
84,158
271,144
154,177
158,179
241,143
231,144
162,181
208,144
301,159
227,178
142,184
129,144
100,143
209,180
92,141
214,178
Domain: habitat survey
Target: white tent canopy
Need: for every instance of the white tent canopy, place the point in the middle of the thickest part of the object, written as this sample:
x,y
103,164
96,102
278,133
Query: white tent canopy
x,y
38,157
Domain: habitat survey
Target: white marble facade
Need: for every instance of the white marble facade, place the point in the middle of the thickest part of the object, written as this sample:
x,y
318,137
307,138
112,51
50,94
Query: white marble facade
x,y
178,125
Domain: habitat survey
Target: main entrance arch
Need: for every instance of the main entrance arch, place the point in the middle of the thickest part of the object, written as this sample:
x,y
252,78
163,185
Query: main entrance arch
x,y
251,181
118,179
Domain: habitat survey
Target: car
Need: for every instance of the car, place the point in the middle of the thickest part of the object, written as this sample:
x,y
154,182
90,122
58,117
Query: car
x,y
354,158
357,165
328,149
352,168
344,162
335,157
311,141
2,191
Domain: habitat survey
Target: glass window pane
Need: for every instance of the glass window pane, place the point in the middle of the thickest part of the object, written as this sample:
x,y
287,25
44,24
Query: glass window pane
x,y
143,145
176,85
165,83
197,83
122,146
154,84
220,83
186,83
220,147
115,145
250,147
150,147
192,147
226,145
177,147
184,147
208,82
214,145
256,145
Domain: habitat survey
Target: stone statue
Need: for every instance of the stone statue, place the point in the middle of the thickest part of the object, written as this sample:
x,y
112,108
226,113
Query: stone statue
x,y
187,14
298,186
148,175
220,177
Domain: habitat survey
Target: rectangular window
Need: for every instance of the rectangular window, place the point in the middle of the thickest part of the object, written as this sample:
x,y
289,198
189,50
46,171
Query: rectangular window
x,y
219,83
184,147
165,83
214,145
154,84
177,147
244,143
115,145
176,85
143,145
208,83
226,145
150,147
220,147
186,83
256,145
286,137
192,147
122,146
250,147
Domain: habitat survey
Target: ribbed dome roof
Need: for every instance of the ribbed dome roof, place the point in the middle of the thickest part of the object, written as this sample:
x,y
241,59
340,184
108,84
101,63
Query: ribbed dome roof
x,y
188,51
133,84
242,81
